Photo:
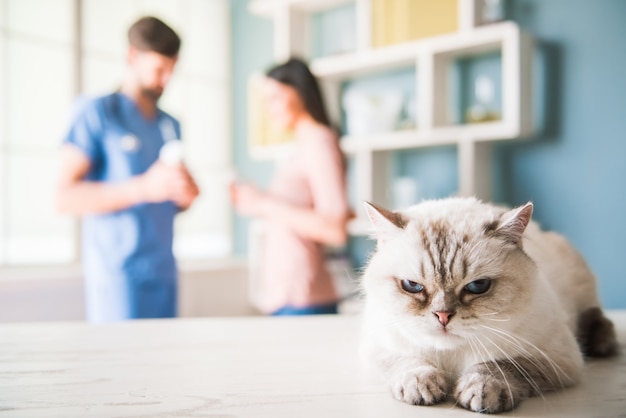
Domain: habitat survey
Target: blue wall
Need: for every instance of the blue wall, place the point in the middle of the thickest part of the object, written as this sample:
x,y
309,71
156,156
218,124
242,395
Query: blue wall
x,y
573,171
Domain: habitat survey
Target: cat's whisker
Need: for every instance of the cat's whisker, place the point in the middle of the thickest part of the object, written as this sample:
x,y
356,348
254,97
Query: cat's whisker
x,y
478,349
477,355
525,374
471,345
490,313
515,344
506,319
556,368
538,367
513,341
494,362
558,372
483,349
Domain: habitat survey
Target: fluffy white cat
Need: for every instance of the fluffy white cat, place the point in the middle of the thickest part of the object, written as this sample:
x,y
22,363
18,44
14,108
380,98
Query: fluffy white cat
x,y
474,301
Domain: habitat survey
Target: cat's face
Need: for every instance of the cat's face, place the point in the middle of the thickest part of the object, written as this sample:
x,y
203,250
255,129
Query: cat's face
x,y
444,270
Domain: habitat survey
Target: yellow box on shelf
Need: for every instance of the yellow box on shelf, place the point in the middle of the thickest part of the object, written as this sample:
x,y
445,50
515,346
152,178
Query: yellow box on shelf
x,y
397,21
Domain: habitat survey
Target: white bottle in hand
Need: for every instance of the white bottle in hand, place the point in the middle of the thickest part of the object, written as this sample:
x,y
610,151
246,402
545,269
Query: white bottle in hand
x,y
172,150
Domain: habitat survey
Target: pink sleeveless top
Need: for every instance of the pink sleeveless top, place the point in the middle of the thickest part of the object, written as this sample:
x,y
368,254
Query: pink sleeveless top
x,y
312,176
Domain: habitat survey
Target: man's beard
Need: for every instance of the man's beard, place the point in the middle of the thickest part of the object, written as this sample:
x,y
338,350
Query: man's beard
x,y
152,94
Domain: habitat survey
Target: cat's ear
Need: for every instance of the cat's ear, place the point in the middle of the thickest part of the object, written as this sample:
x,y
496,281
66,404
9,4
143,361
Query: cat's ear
x,y
514,222
383,220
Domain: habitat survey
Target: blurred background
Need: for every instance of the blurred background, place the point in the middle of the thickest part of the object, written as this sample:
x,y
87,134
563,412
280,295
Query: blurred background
x,y
410,83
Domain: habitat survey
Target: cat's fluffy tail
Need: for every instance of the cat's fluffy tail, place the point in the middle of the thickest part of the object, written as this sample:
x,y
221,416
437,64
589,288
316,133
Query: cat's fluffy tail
x,y
596,334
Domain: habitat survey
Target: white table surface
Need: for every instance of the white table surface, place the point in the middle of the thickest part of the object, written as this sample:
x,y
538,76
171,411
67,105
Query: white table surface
x,y
235,367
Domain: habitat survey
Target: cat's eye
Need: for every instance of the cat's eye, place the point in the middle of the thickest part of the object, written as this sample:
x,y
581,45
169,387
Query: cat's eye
x,y
411,286
479,286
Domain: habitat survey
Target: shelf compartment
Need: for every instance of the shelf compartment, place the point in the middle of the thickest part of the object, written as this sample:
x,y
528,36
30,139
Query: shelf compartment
x,y
477,89
333,31
379,103
515,49
424,173
428,169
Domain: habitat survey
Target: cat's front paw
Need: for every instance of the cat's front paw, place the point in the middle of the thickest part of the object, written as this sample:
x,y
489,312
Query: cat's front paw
x,y
424,385
485,392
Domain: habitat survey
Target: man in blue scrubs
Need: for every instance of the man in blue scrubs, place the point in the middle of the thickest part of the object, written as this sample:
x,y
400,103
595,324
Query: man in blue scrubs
x,y
112,177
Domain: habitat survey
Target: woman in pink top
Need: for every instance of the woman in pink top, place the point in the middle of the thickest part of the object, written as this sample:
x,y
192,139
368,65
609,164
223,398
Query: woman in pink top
x,y
306,205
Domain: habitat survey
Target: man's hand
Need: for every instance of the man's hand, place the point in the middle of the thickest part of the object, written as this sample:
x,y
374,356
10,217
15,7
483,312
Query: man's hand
x,y
186,195
163,182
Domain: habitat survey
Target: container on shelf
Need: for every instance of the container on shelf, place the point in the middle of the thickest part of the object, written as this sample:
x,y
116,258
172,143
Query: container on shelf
x,y
484,108
492,11
382,102
476,93
368,113
397,21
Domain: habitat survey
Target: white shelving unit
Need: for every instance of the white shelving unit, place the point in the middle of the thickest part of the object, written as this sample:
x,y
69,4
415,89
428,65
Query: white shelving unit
x,y
433,59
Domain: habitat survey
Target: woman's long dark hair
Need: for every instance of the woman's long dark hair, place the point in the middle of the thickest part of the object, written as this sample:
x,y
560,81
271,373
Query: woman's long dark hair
x,y
295,73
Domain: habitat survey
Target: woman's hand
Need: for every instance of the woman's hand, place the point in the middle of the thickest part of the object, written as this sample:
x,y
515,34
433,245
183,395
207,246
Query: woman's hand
x,y
247,199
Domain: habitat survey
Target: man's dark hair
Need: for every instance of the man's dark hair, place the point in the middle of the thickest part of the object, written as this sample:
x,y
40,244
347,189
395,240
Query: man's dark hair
x,y
151,34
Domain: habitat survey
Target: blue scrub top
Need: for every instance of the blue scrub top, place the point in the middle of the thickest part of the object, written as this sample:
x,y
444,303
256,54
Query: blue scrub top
x,y
129,267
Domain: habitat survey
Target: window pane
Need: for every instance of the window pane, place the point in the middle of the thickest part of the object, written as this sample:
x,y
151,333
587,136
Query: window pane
x,y
207,128
34,231
37,101
102,75
207,223
105,24
170,11
206,42
3,131
50,20
2,13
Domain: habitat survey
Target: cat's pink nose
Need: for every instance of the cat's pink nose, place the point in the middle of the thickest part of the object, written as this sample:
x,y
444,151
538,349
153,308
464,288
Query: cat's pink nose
x,y
444,316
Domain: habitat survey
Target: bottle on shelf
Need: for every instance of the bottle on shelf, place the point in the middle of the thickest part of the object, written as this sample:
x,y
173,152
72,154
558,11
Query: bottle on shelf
x,y
483,109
